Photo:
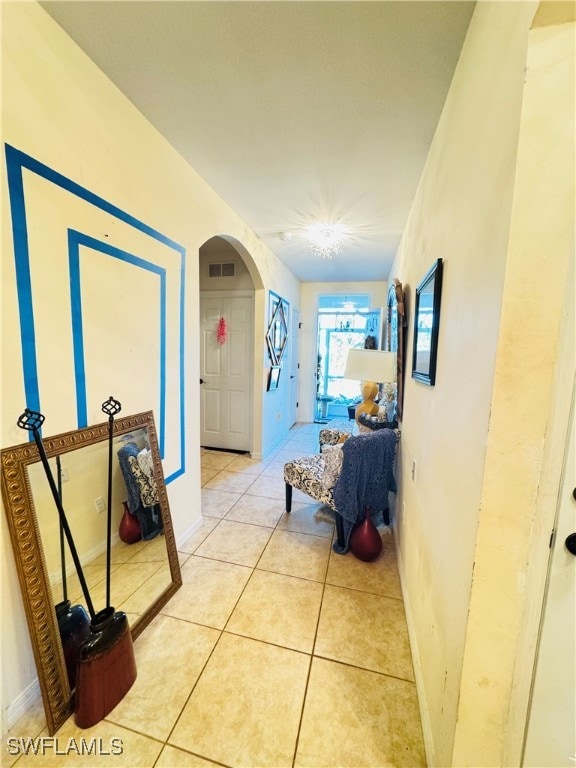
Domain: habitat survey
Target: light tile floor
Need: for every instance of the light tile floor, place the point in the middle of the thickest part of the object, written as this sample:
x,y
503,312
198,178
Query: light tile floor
x,y
275,651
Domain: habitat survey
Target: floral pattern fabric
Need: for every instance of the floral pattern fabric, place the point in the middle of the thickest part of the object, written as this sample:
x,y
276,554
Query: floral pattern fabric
x,y
332,465
330,436
336,430
306,475
146,485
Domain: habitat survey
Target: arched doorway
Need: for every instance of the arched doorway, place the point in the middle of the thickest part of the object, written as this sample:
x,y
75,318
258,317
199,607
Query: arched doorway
x,y
227,366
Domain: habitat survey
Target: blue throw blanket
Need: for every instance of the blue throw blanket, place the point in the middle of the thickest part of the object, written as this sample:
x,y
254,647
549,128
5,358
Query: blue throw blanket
x,y
149,517
365,479
130,449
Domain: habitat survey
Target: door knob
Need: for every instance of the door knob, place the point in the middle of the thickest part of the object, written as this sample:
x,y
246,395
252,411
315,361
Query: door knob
x,y
570,543
201,381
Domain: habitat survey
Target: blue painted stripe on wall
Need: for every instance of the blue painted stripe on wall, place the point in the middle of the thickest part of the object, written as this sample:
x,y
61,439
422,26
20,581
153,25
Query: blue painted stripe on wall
x,y
75,240
24,286
16,161
182,420
23,160
77,329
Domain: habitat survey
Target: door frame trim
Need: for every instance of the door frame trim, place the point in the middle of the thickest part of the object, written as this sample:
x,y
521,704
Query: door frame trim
x,y
238,293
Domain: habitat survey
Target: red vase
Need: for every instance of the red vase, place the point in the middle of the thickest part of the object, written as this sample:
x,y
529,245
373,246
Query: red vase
x,y
129,529
365,541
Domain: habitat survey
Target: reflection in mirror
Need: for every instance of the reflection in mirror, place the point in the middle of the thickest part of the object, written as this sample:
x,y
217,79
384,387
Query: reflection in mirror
x,y
140,571
394,339
144,574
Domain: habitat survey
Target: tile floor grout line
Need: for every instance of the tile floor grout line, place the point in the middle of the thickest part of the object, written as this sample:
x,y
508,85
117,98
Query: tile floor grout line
x,y
312,656
248,580
177,719
130,728
267,642
220,632
256,567
364,591
304,697
236,634
188,752
363,669
218,560
288,575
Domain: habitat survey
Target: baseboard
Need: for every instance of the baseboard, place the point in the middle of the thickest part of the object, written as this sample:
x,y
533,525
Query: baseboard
x,y
22,704
190,531
55,577
273,447
427,733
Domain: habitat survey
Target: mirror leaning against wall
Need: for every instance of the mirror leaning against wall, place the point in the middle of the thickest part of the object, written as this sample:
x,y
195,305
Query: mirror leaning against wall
x,y
145,572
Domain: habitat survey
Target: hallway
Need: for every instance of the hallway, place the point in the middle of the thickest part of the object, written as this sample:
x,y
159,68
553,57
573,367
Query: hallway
x,y
275,651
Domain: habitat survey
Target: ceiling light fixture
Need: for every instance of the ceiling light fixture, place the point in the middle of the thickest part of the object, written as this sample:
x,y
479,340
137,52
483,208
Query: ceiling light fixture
x,y
326,239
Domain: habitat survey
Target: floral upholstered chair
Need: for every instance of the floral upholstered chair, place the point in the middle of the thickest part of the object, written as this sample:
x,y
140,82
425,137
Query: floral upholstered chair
x,y
335,432
348,477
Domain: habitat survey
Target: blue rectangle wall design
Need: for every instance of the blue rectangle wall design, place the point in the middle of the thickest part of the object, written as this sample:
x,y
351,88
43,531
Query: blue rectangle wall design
x,y
16,162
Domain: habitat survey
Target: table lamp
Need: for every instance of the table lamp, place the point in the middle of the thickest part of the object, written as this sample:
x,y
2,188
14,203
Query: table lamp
x,y
371,367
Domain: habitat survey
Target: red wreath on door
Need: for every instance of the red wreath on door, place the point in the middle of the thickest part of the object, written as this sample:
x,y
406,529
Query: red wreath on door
x,y
221,331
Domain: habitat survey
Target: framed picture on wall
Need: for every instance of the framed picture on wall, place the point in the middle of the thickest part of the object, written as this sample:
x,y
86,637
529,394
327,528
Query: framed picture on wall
x,y
271,350
426,325
395,336
277,333
273,377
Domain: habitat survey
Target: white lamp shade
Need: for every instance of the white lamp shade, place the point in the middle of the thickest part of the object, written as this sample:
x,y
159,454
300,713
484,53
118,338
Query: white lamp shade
x,y
371,365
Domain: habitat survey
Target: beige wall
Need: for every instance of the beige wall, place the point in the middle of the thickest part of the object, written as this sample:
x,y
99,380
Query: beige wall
x,y
464,522
532,386
60,109
223,252
309,293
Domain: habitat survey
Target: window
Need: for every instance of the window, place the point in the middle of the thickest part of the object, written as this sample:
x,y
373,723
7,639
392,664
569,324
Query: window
x,y
344,322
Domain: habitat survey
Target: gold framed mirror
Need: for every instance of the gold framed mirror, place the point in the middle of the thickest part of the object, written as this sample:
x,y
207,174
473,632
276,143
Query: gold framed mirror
x,y
394,338
144,574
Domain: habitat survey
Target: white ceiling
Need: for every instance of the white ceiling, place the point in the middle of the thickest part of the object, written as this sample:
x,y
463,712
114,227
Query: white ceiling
x,y
291,111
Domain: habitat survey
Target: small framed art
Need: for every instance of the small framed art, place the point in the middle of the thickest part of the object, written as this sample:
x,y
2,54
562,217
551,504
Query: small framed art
x,y
273,377
426,325
277,333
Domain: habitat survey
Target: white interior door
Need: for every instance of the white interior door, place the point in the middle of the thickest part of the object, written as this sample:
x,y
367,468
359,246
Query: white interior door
x,y
551,733
294,366
226,372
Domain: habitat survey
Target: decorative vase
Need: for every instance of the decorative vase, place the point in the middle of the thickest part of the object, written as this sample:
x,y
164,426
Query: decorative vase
x,y
129,529
365,541
74,628
106,667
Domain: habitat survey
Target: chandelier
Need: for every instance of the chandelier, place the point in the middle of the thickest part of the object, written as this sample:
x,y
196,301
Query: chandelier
x,y
326,239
